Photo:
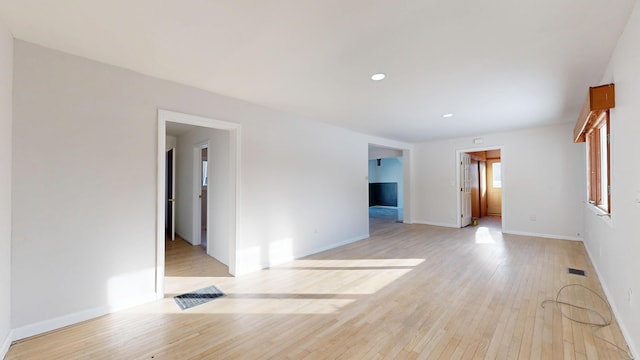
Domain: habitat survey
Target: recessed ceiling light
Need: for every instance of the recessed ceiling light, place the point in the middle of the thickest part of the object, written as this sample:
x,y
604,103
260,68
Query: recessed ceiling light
x,y
378,76
447,115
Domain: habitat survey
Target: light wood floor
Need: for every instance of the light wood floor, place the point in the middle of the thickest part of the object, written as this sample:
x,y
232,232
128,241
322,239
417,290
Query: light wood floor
x,y
409,291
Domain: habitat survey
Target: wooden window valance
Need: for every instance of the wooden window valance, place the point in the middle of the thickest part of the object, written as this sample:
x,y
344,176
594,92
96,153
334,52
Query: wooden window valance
x,y
600,99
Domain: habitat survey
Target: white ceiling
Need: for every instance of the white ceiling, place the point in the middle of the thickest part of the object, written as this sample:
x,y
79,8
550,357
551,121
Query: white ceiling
x,y
495,64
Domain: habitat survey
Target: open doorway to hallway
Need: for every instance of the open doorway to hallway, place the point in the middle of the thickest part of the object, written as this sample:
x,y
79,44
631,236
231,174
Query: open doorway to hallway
x,y
188,265
481,187
193,169
386,185
205,201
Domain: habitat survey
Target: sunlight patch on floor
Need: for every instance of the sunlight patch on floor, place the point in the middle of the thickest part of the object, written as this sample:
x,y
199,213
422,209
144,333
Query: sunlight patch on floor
x,y
289,289
250,304
271,306
483,236
333,289
355,263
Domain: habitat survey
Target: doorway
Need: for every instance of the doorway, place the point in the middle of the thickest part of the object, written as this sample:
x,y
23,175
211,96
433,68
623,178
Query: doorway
x,y
231,207
480,184
387,183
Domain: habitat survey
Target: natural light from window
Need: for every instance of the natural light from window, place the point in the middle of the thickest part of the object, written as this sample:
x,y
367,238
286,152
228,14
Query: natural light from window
x,y
604,182
497,175
246,295
355,264
281,251
205,172
483,236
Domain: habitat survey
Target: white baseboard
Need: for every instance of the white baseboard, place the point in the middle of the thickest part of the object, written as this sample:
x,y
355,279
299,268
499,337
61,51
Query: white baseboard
x,y
70,319
58,322
435,224
325,248
246,270
333,246
6,343
524,233
185,238
547,236
625,333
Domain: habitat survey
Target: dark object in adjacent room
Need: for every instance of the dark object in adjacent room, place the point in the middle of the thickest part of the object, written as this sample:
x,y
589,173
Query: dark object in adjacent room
x,y
383,194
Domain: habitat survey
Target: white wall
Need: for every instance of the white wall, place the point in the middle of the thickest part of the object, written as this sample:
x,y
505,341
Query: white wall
x,y
219,192
390,170
614,246
6,81
543,176
85,205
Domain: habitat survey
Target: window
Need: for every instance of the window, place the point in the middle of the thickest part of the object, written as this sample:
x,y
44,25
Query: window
x,y
497,175
205,173
598,159
593,127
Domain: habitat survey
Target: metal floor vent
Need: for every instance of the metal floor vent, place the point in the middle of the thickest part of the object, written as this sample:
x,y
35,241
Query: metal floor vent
x,y
576,272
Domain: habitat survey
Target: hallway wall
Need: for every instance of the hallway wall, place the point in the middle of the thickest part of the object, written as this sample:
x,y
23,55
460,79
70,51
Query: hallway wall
x,y
187,224
6,106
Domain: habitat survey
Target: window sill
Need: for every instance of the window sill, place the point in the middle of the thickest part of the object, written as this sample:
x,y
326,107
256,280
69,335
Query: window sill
x,y
605,216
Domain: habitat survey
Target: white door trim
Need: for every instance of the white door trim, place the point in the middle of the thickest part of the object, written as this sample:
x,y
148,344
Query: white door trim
x,y
234,181
173,193
465,190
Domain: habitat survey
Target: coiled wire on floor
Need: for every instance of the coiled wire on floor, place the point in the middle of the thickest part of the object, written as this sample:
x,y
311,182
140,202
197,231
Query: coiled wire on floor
x,y
603,321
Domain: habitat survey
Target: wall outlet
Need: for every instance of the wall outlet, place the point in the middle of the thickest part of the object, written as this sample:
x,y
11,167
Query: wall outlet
x,y
532,217
630,295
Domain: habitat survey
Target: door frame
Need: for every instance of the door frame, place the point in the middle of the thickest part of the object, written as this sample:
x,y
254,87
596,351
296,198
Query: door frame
x,y
172,195
458,158
234,173
197,190
465,209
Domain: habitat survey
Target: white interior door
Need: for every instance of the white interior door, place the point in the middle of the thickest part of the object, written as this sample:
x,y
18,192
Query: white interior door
x,y
465,189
